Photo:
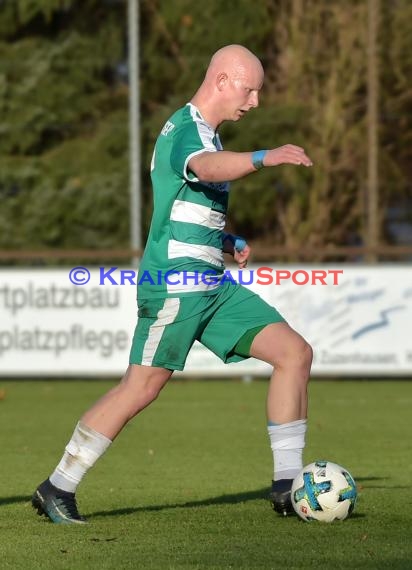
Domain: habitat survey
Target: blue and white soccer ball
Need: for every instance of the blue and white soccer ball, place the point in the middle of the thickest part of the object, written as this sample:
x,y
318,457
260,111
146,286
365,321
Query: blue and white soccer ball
x,y
324,491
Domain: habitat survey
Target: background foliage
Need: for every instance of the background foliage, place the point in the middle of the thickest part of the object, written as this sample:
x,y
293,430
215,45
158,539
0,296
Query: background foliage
x,y
64,115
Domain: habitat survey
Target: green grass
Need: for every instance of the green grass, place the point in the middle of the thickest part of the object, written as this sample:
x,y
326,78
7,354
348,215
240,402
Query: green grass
x,y
184,484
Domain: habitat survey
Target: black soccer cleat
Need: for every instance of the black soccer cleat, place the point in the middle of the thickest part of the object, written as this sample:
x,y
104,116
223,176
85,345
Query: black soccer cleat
x,y
280,497
59,506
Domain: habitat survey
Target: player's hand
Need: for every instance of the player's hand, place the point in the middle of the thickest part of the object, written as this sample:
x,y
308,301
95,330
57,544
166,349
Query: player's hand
x,y
241,257
287,154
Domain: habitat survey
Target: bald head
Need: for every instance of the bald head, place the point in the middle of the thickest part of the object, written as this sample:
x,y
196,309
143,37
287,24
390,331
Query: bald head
x,y
232,59
231,85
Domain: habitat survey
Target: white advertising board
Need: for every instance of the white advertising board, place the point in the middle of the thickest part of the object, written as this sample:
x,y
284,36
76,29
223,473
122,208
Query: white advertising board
x,y
356,318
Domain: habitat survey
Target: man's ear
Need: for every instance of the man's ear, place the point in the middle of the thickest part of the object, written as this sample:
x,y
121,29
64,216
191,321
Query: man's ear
x,y
221,80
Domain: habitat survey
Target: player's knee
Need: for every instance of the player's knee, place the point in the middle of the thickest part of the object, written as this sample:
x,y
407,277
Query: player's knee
x,y
141,396
299,354
141,387
145,391
306,356
151,390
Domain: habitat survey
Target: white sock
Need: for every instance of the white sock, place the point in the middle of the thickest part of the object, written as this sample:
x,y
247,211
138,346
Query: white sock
x,y
81,453
287,442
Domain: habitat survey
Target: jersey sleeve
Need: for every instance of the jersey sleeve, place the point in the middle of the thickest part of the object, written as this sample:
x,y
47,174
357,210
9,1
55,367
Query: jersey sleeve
x,y
190,140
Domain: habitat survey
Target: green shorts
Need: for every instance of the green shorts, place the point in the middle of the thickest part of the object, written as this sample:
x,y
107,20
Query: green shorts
x,y
167,327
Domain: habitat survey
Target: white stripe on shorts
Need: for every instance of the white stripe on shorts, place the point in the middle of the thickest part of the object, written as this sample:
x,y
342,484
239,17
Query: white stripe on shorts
x,y
166,316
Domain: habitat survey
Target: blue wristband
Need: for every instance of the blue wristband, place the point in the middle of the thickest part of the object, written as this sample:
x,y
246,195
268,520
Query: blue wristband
x,y
238,243
257,158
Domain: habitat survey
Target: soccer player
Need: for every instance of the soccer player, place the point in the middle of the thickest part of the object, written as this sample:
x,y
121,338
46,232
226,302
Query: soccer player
x,y
190,176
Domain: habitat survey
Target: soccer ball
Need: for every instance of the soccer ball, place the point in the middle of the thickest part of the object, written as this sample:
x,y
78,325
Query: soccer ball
x,y
323,491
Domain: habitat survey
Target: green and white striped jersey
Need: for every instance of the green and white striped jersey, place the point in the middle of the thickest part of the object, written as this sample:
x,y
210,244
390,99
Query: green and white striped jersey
x,y
185,238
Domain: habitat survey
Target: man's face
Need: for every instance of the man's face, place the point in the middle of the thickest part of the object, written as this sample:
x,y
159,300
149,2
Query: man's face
x,y
241,91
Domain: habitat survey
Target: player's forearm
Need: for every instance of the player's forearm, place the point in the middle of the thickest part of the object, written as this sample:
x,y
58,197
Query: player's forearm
x,y
222,166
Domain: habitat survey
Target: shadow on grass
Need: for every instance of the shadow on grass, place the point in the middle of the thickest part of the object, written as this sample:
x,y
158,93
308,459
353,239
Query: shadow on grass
x,y
363,483
221,500
16,499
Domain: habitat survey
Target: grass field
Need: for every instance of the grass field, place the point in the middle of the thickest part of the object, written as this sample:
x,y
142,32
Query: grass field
x,y
184,485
